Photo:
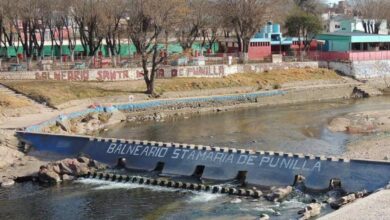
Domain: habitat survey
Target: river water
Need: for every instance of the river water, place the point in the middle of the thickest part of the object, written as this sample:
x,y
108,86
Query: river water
x,y
297,128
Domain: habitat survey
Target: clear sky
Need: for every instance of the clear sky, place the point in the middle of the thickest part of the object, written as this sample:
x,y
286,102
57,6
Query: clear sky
x,y
331,1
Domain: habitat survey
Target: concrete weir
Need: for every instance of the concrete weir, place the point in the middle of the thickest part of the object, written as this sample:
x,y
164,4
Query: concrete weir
x,y
257,168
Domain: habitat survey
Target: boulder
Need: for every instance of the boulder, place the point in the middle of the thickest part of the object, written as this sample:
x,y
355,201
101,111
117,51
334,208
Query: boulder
x,y
339,124
66,177
83,159
236,201
64,125
279,194
7,183
343,201
312,210
68,169
48,176
116,117
264,217
65,169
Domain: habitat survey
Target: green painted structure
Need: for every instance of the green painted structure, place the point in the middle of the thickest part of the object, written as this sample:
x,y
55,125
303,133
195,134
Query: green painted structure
x,y
356,41
125,49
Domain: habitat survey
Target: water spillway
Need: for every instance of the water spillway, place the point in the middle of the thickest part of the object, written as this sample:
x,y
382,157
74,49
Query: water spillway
x,y
258,168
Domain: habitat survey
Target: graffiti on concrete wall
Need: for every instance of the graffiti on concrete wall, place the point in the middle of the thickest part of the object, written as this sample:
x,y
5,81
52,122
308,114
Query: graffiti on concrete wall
x,y
137,73
83,75
205,71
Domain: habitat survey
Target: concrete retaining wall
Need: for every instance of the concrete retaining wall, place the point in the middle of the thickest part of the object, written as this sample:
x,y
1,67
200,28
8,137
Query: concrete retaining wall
x,y
155,103
137,73
360,69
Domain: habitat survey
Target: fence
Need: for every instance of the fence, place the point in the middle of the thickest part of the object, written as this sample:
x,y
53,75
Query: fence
x,y
350,55
134,61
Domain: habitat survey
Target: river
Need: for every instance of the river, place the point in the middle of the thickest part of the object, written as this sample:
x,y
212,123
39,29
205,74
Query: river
x,y
295,128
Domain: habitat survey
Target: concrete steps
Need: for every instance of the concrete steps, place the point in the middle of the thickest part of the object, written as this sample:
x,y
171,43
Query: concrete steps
x,y
369,90
10,92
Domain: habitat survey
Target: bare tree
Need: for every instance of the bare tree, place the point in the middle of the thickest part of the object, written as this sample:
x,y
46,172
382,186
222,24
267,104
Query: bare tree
x,y
310,6
8,36
193,20
213,23
22,20
113,15
2,21
371,9
146,23
40,17
88,16
59,12
246,17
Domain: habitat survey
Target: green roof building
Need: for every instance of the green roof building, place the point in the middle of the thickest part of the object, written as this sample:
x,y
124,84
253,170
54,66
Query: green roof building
x,y
353,41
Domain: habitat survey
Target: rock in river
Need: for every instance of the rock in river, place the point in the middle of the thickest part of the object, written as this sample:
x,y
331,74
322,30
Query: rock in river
x,y
7,183
67,169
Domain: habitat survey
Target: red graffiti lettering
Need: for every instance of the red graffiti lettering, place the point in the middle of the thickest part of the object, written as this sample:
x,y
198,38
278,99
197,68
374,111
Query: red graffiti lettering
x,y
174,73
57,76
139,74
125,74
85,75
42,75
160,73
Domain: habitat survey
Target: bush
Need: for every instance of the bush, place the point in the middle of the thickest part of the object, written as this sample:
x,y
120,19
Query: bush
x,y
277,86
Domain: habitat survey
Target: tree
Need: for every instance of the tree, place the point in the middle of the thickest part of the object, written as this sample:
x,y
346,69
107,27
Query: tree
x,y
113,14
8,36
58,23
212,26
304,25
146,22
309,6
22,19
88,17
372,9
246,17
40,20
192,20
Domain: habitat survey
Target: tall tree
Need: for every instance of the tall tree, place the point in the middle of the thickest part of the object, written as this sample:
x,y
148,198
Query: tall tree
x,y
192,20
213,20
146,23
23,21
304,25
113,15
310,6
9,36
88,16
246,16
58,23
372,9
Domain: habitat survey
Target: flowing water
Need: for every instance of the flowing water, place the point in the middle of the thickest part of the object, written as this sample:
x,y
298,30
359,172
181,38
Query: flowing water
x,y
298,128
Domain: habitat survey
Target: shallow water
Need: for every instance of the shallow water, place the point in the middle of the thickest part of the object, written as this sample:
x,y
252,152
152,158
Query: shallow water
x,y
96,199
296,128
299,128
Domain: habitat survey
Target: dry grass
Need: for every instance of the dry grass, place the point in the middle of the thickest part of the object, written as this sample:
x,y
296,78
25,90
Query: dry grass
x,y
7,101
56,92
273,79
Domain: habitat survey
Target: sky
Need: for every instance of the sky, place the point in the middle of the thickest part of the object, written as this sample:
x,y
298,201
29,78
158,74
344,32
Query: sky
x,y
331,1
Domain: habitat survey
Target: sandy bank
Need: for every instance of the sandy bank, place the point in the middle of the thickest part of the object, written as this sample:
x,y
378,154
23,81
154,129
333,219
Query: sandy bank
x,y
373,128
362,122
375,147
373,207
